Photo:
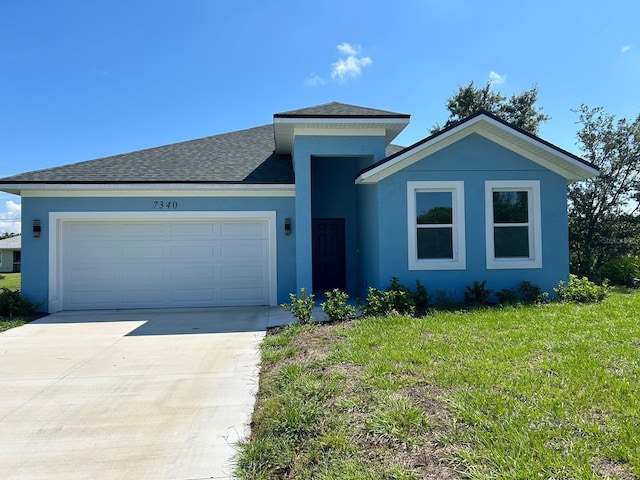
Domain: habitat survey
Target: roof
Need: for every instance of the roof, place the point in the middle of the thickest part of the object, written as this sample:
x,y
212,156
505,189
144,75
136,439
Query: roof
x,y
244,156
11,243
339,110
333,117
564,163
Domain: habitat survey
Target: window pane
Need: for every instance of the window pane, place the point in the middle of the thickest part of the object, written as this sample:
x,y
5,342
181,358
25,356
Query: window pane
x,y
435,242
511,242
510,207
434,208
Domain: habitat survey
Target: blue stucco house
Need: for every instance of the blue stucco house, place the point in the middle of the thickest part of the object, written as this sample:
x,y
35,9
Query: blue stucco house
x,y
320,198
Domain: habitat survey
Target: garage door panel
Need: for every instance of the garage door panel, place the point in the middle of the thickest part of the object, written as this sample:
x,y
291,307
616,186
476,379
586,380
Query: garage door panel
x,y
137,252
193,229
242,229
242,249
79,277
192,251
235,296
204,274
142,230
93,230
151,275
155,264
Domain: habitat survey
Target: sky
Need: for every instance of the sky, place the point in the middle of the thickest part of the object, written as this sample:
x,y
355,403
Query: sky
x,y
86,79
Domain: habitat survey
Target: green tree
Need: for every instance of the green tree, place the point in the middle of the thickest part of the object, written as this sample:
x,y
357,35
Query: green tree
x,y
519,110
603,211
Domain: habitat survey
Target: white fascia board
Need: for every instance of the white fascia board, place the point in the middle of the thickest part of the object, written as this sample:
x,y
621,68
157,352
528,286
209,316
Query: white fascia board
x,y
329,121
154,190
319,132
578,170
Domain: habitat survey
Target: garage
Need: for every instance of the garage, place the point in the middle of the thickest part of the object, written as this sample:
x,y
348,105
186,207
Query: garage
x,y
164,262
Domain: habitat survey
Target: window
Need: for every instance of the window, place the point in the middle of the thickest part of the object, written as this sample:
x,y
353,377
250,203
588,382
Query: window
x,y
513,228
436,225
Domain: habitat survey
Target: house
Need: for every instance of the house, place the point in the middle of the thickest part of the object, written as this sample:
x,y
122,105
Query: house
x,y
10,253
320,198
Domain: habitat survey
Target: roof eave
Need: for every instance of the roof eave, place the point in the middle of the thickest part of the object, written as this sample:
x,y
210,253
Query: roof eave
x,y
287,127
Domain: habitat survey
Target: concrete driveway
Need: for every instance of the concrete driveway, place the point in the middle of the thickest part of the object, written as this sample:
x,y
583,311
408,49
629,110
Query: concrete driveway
x,y
129,394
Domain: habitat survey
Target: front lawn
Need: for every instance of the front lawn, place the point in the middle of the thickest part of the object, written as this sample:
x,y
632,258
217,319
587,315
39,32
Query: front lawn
x,y
523,392
10,281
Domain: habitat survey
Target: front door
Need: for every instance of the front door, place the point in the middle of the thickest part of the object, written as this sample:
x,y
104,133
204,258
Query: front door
x,y
328,243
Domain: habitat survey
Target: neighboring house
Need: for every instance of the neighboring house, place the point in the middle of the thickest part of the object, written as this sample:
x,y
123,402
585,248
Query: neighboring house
x,y
319,198
10,253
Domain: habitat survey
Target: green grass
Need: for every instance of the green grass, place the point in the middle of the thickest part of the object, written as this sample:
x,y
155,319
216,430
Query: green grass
x,y
521,392
10,281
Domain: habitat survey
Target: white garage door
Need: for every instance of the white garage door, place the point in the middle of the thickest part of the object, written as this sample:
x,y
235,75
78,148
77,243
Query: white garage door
x,y
168,263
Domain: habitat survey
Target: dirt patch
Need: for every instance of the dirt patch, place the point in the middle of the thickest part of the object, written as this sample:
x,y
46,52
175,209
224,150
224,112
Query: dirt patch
x,y
610,469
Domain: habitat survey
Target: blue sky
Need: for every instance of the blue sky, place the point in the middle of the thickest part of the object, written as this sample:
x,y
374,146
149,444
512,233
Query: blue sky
x,y
85,79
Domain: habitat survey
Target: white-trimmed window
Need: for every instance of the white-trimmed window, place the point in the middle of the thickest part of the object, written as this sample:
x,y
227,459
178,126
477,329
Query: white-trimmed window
x,y
436,225
513,226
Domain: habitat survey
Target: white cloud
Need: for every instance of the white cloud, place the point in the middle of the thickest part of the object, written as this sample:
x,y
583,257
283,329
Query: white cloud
x,y
10,217
496,78
626,48
348,66
348,49
314,81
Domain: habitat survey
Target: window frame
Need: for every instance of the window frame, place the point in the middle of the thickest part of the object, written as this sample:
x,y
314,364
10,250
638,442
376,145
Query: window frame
x,y
532,187
456,188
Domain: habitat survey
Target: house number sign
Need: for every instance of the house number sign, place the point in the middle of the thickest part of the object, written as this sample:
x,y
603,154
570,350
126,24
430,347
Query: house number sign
x,y
165,205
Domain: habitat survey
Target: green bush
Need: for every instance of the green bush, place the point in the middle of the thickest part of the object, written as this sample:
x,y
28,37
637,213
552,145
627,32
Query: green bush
x,y
526,292
302,307
623,271
336,307
477,294
529,292
581,290
401,297
507,296
12,304
378,303
397,299
421,297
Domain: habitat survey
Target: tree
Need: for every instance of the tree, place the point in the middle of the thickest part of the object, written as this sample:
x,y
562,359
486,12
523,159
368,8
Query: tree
x,y
603,211
519,110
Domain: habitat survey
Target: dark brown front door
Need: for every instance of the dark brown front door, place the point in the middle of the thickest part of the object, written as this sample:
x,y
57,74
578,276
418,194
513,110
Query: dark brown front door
x,y
328,243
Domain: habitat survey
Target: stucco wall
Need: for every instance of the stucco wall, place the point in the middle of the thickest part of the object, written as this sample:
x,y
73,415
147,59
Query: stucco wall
x,y
369,149
35,257
473,160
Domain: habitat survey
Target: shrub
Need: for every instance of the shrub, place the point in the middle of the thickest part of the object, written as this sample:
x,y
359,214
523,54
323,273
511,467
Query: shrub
x,y
623,271
302,307
401,298
477,293
336,307
581,290
12,304
421,297
378,303
529,292
526,292
507,296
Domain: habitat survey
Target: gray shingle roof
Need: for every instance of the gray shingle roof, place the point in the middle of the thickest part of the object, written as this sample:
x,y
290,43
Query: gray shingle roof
x,y
245,156
11,243
339,110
